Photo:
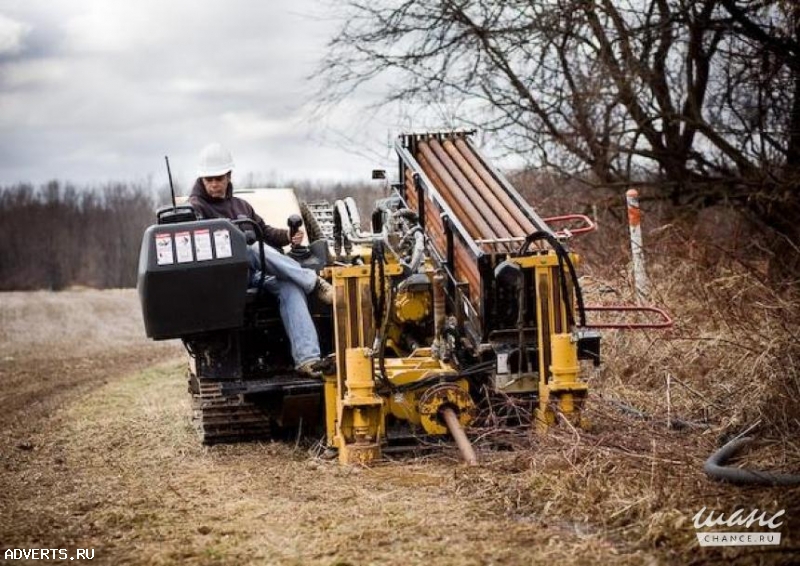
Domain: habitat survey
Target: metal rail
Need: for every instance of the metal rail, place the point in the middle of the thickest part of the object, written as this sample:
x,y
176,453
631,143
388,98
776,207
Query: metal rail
x,y
666,321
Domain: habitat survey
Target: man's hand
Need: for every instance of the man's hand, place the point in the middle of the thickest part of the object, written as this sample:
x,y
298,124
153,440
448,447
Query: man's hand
x,y
297,239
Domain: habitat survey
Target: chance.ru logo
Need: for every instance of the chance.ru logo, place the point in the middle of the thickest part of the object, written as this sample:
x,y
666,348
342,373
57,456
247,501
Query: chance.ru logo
x,y
738,519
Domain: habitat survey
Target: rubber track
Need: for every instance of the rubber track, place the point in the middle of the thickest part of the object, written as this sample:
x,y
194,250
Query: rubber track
x,y
220,419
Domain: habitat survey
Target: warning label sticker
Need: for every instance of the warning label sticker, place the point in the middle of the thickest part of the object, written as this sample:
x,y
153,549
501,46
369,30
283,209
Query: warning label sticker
x,y
202,244
183,247
164,249
222,243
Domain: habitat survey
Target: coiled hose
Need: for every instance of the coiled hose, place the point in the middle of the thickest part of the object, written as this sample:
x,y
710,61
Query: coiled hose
x,y
715,468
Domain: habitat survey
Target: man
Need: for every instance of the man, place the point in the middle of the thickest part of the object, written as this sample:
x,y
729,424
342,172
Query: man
x,y
212,197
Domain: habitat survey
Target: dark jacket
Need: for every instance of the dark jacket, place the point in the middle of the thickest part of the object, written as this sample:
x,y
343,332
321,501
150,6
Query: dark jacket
x,y
232,207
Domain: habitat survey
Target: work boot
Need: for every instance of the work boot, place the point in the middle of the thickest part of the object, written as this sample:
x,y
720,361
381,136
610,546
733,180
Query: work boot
x,y
309,369
327,365
315,368
324,291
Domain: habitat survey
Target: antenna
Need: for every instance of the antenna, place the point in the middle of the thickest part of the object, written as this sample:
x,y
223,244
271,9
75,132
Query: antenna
x,y
171,188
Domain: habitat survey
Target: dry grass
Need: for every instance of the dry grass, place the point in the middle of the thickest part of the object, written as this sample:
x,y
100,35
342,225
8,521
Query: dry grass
x,y
55,347
131,481
118,468
79,322
732,358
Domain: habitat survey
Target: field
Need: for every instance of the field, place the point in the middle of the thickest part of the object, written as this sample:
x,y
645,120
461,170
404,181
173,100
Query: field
x,y
98,452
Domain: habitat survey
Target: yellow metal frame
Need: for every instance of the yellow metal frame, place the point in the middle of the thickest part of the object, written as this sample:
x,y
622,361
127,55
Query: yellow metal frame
x,y
355,412
560,390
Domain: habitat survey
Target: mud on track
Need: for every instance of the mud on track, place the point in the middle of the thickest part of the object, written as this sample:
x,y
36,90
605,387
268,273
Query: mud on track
x,y
97,452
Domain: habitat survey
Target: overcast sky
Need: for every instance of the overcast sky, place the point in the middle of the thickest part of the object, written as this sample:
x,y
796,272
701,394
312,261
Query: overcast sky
x,y
99,90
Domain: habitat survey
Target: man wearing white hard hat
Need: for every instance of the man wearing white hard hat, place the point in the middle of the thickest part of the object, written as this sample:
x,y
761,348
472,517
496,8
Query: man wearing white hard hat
x,y
212,197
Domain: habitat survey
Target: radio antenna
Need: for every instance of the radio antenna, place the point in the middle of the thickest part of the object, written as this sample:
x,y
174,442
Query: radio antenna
x,y
171,187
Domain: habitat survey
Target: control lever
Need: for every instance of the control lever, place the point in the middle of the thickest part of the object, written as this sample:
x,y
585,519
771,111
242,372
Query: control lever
x,y
295,222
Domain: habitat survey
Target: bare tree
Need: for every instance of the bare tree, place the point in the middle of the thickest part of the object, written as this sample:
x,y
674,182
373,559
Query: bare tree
x,y
59,235
702,96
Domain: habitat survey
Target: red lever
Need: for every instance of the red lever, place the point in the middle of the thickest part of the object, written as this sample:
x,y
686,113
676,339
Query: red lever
x,y
666,321
580,230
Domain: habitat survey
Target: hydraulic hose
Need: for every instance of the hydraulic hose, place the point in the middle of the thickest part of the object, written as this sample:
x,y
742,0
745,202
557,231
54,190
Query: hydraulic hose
x,y
347,213
715,468
675,422
563,259
381,308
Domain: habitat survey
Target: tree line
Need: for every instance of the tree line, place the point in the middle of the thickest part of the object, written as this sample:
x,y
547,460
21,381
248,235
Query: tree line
x,y
59,235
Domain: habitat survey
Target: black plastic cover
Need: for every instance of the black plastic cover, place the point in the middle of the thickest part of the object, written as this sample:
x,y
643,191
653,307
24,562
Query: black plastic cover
x,y
192,278
589,346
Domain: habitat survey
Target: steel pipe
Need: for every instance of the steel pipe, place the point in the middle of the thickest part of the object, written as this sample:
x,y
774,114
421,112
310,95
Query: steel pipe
x,y
479,205
524,222
510,226
464,445
433,169
456,193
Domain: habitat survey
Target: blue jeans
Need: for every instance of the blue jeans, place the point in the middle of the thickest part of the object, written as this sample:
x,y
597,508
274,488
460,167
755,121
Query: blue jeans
x,y
290,282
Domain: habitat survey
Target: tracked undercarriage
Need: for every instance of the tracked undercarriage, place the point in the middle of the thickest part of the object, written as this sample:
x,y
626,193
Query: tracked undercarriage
x,y
234,411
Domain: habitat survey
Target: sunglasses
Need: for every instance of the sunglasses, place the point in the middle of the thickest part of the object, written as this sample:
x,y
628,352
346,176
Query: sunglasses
x,y
218,178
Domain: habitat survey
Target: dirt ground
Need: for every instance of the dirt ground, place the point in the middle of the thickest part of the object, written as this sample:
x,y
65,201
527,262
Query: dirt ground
x,y
97,452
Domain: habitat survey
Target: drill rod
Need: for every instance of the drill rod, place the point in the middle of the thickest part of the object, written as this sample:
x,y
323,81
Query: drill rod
x,y
463,443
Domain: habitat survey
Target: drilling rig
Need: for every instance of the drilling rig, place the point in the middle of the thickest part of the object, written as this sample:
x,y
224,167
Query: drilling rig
x,y
454,292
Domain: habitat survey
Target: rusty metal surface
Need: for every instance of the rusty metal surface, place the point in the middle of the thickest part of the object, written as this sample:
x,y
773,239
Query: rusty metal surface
x,y
463,189
486,214
469,187
507,219
414,170
464,445
500,193
466,267
519,203
475,224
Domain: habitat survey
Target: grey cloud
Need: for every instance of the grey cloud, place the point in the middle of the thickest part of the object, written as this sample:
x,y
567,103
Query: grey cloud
x,y
102,89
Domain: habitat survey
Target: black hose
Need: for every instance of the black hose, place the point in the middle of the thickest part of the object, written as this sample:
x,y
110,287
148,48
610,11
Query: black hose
x,y
563,259
715,468
377,283
380,311
478,368
382,345
676,423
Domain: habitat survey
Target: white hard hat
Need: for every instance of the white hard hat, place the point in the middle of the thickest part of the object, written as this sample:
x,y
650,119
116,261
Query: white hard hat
x,y
214,160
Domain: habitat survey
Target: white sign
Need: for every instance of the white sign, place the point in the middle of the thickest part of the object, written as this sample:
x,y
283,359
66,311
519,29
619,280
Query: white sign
x,y
738,539
738,518
202,244
222,243
164,249
183,247
502,363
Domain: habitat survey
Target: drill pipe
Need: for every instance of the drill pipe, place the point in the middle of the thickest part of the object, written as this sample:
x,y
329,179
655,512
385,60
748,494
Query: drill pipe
x,y
494,186
477,205
432,169
464,446
465,267
514,229
457,198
